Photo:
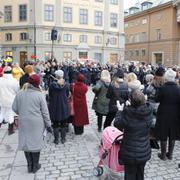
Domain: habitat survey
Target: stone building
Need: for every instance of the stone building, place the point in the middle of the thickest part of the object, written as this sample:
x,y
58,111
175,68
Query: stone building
x,y
87,29
152,32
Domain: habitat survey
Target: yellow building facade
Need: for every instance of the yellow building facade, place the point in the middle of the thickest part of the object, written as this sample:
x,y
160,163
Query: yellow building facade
x,y
87,29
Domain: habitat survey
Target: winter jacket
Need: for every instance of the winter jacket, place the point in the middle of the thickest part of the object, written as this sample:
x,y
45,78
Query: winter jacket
x,y
168,114
102,103
23,80
136,123
117,93
33,118
58,102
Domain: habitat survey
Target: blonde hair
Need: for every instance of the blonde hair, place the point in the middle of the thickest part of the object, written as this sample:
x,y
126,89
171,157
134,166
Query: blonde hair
x,y
131,77
105,76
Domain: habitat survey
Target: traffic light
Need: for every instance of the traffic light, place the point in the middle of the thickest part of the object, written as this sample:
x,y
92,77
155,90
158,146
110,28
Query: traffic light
x,y
54,34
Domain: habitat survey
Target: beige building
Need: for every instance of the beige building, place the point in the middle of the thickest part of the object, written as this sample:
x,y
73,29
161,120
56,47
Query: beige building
x,y
152,33
88,29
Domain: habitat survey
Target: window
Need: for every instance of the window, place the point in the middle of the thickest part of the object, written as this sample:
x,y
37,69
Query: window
x,y
67,37
49,13
98,18
48,36
23,12
83,18
67,55
114,2
8,13
83,38
83,55
137,52
126,25
113,41
23,36
158,31
113,20
98,57
144,21
98,40
143,52
99,0
67,14
9,54
8,36
143,36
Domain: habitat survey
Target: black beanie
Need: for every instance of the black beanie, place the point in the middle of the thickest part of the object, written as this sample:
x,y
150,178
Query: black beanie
x,y
120,73
160,71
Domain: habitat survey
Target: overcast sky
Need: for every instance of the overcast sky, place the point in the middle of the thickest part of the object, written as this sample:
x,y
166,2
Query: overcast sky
x,y
128,3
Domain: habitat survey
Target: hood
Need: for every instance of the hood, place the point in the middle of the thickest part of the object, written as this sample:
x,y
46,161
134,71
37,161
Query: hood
x,y
56,86
135,85
140,113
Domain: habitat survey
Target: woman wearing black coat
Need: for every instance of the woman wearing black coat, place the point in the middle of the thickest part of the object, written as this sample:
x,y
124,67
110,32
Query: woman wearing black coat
x,y
117,91
167,124
135,120
58,106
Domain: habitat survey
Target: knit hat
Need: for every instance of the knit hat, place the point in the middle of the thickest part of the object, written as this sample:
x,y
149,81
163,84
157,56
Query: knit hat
x,y
160,71
28,69
119,73
1,71
170,75
34,80
59,74
80,78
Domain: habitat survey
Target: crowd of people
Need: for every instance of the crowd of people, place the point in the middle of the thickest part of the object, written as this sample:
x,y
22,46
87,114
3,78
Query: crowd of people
x,y
143,100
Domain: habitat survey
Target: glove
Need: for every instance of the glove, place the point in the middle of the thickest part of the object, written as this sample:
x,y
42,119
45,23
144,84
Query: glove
x,y
49,129
119,106
128,103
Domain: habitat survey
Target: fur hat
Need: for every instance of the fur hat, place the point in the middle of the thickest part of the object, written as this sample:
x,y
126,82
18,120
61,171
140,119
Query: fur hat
x,y
34,80
160,71
80,78
59,74
170,75
120,73
28,69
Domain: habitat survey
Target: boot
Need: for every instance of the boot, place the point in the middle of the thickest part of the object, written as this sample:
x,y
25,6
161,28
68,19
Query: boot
x,y
56,135
63,135
11,129
99,118
29,159
162,155
170,150
36,165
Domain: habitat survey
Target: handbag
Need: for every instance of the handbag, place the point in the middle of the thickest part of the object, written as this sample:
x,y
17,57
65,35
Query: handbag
x,y
71,103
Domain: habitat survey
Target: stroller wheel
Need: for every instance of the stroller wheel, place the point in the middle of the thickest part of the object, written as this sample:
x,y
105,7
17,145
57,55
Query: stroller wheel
x,y
98,171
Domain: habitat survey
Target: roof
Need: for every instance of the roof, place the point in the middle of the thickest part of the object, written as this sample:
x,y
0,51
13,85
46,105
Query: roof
x,y
139,5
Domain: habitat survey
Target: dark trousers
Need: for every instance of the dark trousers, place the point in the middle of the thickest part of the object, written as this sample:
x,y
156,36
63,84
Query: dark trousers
x,y
57,124
109,118
134,172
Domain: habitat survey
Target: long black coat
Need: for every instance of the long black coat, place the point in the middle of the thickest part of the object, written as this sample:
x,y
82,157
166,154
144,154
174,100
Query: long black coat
x,y
136,123
168,120
120,93
58,102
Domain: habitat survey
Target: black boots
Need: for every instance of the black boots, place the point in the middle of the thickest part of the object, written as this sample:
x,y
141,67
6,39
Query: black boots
x,y
29,159
63,135
32,161
36,165
170,150
11,129
162,155
56,135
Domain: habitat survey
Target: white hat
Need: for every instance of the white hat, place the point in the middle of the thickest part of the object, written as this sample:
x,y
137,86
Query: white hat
x,y
59,74
170,75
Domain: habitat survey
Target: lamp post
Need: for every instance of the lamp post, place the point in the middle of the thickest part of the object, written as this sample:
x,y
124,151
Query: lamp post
x,y
34,28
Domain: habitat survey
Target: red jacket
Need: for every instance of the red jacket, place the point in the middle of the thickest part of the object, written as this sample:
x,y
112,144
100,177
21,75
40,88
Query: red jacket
x,y
80,105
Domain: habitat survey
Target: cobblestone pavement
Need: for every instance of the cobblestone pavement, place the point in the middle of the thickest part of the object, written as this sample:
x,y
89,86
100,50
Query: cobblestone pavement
x,y
75,159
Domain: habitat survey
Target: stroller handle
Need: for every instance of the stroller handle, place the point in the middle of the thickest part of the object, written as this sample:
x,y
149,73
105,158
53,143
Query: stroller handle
x,y
116,140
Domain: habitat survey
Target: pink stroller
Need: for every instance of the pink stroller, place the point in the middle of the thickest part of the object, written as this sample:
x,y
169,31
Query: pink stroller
x,y
108,152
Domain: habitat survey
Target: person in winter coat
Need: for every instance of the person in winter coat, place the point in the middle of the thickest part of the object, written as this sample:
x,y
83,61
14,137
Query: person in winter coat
x,y
167,124
135,121
30,105
80,105
9,87
58,106
24,79
118,90
101,102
